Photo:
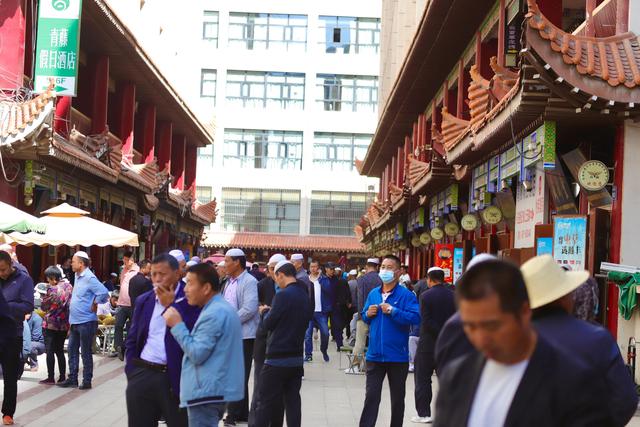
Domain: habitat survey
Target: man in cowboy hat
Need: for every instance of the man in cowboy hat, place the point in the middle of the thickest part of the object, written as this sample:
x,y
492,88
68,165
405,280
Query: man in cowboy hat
x,y
551,293
515,376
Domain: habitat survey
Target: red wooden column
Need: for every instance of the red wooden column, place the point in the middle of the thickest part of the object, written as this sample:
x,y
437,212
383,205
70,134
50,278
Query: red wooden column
x,y
100,94
622,16
461,84
127,111
190,167
590,29
178,145
502,22
62,115
148,132
478,49
163,146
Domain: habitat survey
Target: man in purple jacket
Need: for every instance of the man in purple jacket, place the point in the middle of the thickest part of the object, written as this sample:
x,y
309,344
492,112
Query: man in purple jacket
x,y
153,357
17,290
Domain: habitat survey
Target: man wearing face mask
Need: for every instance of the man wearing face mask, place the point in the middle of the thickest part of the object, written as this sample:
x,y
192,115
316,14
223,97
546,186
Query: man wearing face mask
x,y
389,311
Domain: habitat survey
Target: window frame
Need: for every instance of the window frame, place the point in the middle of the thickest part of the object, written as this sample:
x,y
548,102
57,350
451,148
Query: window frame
x,y
258,214
271,27
260,82
208,23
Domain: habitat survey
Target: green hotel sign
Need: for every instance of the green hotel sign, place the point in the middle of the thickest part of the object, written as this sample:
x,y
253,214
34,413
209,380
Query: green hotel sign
x,y
58,45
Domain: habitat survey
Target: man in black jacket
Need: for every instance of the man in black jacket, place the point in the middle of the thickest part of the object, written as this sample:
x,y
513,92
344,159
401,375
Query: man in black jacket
x,y
287,322
516,378
436,307
341,298
267,289
141,282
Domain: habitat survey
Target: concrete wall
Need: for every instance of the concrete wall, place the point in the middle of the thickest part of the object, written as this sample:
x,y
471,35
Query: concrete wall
x,y
630,240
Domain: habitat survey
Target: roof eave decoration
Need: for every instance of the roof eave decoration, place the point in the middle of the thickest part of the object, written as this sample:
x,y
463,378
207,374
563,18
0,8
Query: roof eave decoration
x,y
20,120
206,212
606,69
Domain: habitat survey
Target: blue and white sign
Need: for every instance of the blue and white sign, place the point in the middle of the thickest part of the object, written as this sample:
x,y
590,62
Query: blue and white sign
x,y
570,241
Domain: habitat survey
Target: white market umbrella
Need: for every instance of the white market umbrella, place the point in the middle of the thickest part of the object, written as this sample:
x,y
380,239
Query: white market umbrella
x,y
14,219
67,225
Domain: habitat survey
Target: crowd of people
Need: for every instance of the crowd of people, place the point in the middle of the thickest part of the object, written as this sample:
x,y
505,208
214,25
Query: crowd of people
x,y
505,342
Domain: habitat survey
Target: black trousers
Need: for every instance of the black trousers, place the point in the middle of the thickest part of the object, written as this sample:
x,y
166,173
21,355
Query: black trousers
x,y
54,344
239,411
149,398
425,365
10,360
347,315
122,316
335,316
376,371
277,385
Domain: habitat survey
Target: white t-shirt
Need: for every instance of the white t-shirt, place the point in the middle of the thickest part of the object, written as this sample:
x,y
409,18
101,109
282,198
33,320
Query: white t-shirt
x,y
496,389
385,295
317,293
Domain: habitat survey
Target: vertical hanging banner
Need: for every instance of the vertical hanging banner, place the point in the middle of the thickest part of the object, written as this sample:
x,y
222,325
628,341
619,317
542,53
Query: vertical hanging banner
x,y
570,240
444,260
57,46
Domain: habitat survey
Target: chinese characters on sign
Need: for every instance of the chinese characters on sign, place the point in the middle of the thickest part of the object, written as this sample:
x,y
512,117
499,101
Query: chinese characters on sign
x,y
531,208
570,241
458,261
57,46
444,260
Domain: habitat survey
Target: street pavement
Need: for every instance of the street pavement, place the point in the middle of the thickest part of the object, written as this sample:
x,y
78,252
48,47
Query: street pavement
x,y
329,397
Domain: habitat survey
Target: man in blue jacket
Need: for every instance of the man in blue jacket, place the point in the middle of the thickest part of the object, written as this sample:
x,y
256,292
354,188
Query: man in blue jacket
x,y
390,310
281,375
212,366
153,357
17,290
321,303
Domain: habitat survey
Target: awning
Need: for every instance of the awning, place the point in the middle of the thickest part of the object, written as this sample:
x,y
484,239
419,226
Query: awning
x,y
274,241
13,219
67,225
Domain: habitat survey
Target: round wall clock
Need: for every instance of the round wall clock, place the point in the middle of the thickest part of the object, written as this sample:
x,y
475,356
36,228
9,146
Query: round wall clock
x,y
425,238
415,241
492,215
593,175
451,229
469,222
437,233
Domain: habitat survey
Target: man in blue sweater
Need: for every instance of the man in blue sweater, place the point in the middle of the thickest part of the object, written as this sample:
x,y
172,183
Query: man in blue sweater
x,y
281,375
389,310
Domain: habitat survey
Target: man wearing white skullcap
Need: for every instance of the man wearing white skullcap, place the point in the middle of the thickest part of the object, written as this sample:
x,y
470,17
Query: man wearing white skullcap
x,y
179,255
452,341
267,289
241,291
87,293
281,376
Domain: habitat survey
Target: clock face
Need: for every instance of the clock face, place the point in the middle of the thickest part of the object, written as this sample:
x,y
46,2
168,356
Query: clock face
x,y
415,241
437,233
451,229
469,222
492,215
593,175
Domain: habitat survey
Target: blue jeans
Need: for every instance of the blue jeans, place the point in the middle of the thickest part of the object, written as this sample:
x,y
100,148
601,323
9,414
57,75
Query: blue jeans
x,y
206,415
319,321
81,337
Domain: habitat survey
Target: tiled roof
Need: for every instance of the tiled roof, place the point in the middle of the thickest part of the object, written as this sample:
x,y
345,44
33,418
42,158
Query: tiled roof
x,y
417,170
20,118
145,176
615,59
479,101
452,128
205,211
246,240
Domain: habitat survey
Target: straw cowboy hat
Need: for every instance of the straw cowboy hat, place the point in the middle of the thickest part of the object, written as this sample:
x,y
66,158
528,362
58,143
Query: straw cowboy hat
x,y
546,281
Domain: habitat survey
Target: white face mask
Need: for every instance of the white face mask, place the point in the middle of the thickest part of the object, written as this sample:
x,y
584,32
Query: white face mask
x,y
386,276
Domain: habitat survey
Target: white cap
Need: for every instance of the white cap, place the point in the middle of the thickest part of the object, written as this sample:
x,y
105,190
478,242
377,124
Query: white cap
x,y
338,268
434,269
276,258
235,252
191,263
81,254
353,273
481,258
196,259
177,254
373,261
297,257
280,264
220,264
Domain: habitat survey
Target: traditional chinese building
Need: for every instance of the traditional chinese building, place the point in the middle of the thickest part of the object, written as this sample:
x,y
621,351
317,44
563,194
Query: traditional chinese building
x,y
124,148
503,120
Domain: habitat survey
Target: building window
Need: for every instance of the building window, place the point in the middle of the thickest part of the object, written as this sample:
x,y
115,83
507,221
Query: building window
x,y
335,213
208,83
205,156
349,35
265,31
210,27
260,210
204,194
272,90
338,151
262,149
347,93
